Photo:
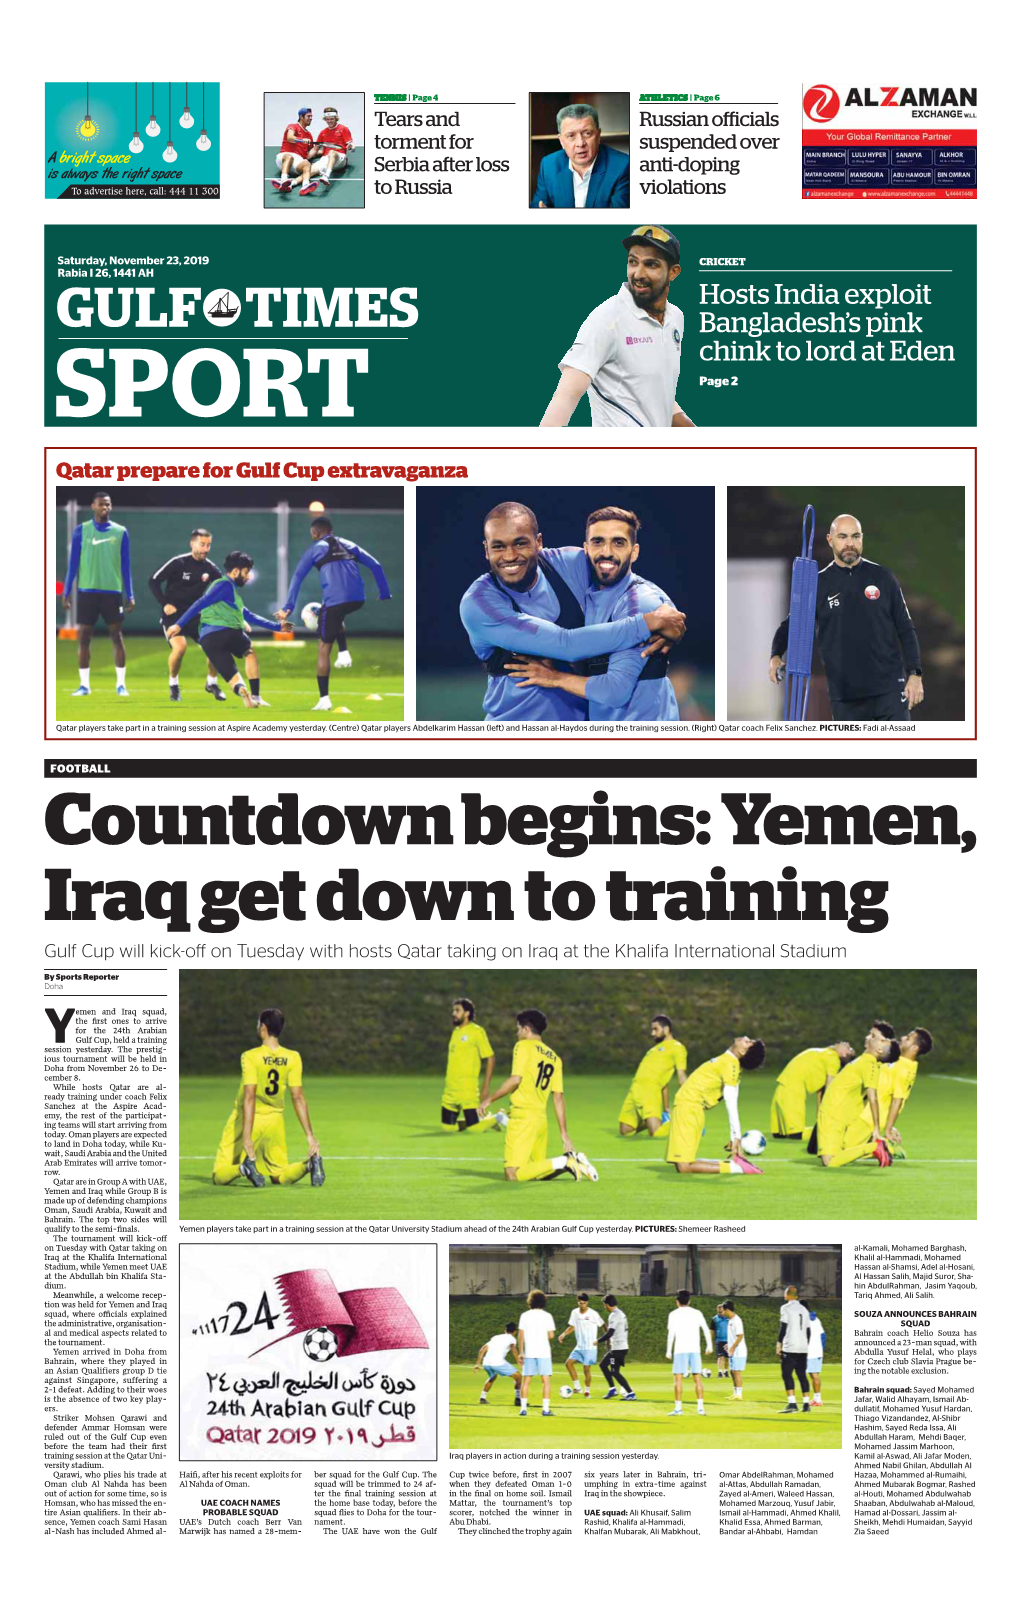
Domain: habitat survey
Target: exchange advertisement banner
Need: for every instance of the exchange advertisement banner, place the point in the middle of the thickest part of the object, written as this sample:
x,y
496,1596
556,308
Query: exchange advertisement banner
x,y
771,326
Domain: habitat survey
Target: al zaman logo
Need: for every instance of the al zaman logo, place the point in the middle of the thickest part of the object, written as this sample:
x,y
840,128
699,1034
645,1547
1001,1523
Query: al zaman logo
x,y
821,103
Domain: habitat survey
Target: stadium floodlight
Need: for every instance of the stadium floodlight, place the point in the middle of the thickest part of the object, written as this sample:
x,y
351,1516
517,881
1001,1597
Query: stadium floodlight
x,y
801,639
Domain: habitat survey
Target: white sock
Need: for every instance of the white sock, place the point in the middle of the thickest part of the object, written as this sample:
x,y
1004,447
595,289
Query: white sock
x,y
83,674
546,1407
701,1407
121,674
210,678
174,679
524,1407
738,1394
576,1386
559,1162
735,1168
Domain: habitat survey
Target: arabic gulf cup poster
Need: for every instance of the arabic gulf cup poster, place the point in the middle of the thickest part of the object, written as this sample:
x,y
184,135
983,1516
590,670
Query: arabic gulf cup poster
x,y
308,1354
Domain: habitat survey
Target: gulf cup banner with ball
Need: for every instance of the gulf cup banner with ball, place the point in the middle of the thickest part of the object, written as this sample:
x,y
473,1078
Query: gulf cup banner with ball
x,y
126,141
308,1354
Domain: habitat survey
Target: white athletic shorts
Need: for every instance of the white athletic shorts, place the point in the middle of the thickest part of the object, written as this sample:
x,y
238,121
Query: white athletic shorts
x,y
321,169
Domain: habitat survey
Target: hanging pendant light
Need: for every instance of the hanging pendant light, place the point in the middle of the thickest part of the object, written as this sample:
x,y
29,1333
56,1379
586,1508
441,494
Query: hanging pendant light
x,y
152,131
136,138
169,153
203,141
187,120
87,128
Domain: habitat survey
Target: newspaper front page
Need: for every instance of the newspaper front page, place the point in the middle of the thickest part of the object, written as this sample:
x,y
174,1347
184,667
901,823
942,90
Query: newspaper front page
x,y
498,805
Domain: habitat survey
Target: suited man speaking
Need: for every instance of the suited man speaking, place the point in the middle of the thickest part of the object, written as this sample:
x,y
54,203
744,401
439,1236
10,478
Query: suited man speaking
x,y
583,173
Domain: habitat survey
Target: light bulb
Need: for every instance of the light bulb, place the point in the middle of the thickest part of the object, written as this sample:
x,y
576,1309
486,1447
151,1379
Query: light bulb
x,y
203,141
187,120
153,129
169,153
88,128
136,143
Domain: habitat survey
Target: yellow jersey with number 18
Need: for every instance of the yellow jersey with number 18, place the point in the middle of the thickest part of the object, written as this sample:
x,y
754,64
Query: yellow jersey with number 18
x,y
540,1072
272,1070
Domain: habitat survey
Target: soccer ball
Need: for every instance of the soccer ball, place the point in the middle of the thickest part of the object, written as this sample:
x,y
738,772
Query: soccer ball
x,y
310,616
566,1390
320,1345
753,1142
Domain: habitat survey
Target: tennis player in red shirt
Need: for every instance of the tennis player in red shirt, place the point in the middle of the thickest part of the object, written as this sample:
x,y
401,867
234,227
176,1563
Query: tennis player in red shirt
x,y
293,162
336,142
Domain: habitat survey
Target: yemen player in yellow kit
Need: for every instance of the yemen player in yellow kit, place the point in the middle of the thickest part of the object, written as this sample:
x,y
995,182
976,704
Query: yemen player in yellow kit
x,y
841,1138
715,1080
535,1074
254,1133
805,1075
646,1103
895,1082
469,1053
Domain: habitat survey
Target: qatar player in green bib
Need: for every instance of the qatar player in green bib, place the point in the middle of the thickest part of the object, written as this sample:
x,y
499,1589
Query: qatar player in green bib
x,y
100,564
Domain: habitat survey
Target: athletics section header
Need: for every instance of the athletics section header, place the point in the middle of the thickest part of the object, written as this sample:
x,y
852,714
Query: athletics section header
x,y
165,328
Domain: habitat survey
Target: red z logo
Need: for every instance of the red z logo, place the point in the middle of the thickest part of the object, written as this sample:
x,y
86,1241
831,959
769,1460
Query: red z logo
x,y
889,101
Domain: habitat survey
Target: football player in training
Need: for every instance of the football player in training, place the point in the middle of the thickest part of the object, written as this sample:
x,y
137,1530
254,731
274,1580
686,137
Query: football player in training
x,y
536,1073
805,1075
841,1139
100,561
469,1056
338,563
584,1324
254,1139
715,1079
175,585
225,627
646,1104
895,1082
500,1358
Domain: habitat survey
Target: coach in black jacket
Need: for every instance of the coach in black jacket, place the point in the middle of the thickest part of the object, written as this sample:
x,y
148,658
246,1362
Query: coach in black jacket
x,y
865,635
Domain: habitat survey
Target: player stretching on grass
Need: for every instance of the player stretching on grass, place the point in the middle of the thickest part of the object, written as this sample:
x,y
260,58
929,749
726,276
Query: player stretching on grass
x,y
500,1357
646,1104
536,1073
343,592
895,1082
807,1074
841,1139
255,1130
100,561
175,585
715,1079
469,1055
685,1331
585,1324
225,628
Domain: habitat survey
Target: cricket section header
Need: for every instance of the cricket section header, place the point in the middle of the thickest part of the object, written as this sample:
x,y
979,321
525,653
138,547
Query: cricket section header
x,y
655,325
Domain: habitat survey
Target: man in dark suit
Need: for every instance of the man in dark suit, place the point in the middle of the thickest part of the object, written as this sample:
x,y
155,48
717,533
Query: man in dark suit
x,y
583,173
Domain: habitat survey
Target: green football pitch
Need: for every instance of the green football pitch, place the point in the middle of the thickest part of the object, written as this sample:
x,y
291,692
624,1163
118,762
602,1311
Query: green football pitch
x,y
576,1423
387,1158
371,691
348,190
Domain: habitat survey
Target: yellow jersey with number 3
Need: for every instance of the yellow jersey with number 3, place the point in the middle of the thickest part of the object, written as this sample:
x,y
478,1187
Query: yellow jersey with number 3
x,y
540,1072
272,1070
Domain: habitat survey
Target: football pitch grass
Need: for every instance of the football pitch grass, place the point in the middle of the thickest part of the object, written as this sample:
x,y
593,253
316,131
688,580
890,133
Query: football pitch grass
x,y
370,691
597,1425
386,1158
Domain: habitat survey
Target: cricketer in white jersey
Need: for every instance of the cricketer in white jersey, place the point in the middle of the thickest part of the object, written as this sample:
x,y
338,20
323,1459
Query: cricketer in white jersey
x,y
626,356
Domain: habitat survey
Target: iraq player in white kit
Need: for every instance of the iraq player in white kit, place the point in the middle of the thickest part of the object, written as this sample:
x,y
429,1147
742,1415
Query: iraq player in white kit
x,y
626,356
535,1328
585,1324
685,1331
792,1347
